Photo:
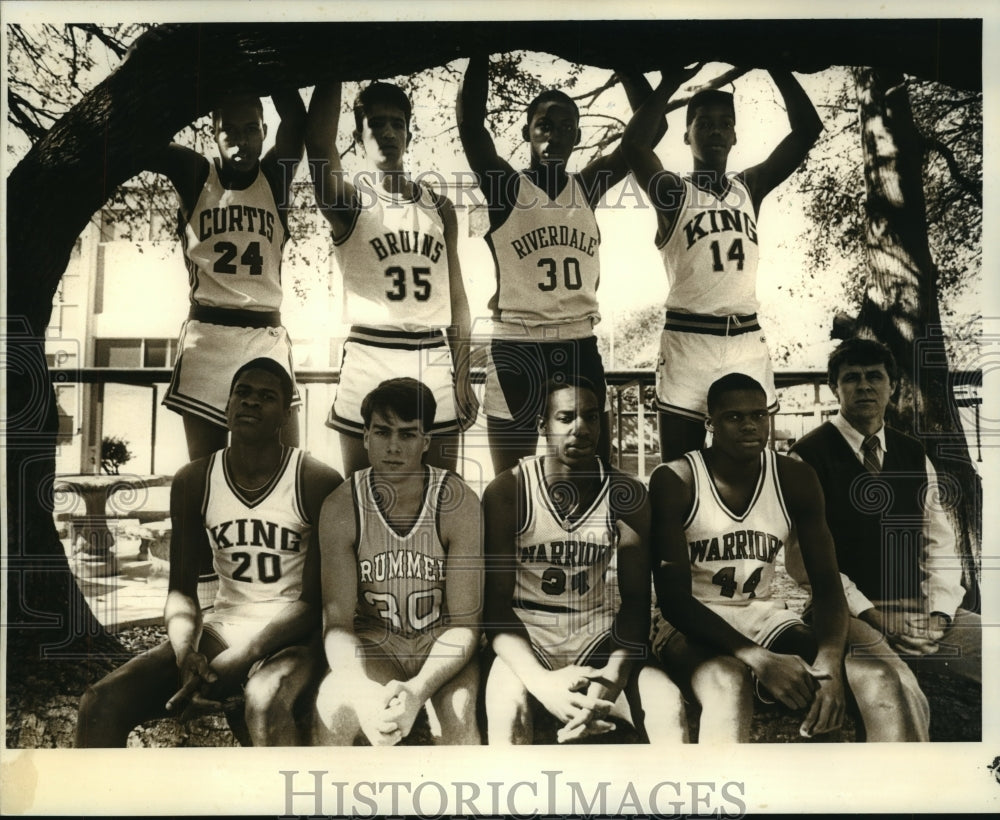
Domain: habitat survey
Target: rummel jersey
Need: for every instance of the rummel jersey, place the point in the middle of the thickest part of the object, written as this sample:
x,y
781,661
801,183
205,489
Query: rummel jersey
x,y
258,546
710,255
401,577
394,261
732,556
232,246
546,256
563,592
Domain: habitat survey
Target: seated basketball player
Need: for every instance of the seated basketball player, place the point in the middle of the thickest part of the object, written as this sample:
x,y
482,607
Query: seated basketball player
x,y
568,588
720,517
257,503
402,584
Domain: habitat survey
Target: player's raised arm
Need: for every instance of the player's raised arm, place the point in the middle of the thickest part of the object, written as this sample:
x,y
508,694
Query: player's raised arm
x,y
664,188
608,170
788,155
804,496
286,153
495,173
334,195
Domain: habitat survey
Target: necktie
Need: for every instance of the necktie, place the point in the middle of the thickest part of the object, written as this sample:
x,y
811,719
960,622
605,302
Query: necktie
x,y
870,449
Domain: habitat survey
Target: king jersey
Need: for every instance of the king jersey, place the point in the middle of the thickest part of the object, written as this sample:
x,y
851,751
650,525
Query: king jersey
x,y
546,255
394,261
564,593
258,546
710,255
232,246
401,576
732,556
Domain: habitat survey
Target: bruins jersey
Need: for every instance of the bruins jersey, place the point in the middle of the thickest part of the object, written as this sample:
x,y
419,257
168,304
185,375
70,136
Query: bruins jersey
x,y
258,545
401,576
732,556
546,257
232,246
710,255
394,261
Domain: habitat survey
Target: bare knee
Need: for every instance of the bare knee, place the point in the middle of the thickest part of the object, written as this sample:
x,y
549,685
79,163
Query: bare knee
x,y
721,677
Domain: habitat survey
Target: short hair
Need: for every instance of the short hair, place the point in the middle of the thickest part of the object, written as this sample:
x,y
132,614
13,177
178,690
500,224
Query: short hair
x,y
709,96
406,398
273,367
385,93
553,95
237,99
730,383
568,382
861,352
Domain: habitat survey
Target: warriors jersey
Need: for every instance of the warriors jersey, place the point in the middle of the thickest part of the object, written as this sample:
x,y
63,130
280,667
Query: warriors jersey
x,y
258,546
710,254
547,263
232,246
563,592
394,261
401,576
732,556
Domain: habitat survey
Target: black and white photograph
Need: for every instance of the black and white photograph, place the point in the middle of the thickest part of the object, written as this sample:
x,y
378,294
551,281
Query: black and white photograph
x,y
662,416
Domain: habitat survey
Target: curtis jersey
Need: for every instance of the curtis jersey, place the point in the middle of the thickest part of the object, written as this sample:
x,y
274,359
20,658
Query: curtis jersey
x,y
546,257
401,577
710,255
563,592
394,261
732,556
232,246
259,546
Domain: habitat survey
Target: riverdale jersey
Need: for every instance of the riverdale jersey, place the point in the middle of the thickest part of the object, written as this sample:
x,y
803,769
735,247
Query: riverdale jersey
x,y
547,262
394,261
563,592
401,577
732,556
710,255
232,246
258,546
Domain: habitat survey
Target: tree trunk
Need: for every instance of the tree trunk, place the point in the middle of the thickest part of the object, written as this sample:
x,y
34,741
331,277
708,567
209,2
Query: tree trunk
x,y
176,73
900,306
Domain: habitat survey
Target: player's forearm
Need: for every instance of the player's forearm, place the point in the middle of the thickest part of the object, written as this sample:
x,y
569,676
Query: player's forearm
x,y
473,93
290,626
449,654
638,90
642,129
323,121
515,650
802,115
614,675
182,618
830,624
288,103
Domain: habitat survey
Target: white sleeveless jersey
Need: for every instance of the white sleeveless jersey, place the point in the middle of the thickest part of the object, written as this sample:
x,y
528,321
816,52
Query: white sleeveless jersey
x,y
732,556
232,246
546,256
258,546
563,591
711,253
394,261
401,577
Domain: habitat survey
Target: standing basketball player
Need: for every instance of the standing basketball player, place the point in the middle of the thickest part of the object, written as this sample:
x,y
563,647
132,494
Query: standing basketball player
x,y
568,592
720,517
545,243
402,584
258,502
707,235
395,242
233,227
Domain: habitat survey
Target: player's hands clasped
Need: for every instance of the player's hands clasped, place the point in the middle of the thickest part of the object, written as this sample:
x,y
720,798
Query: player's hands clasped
x,y
563,692
827,710
789,678
195,671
